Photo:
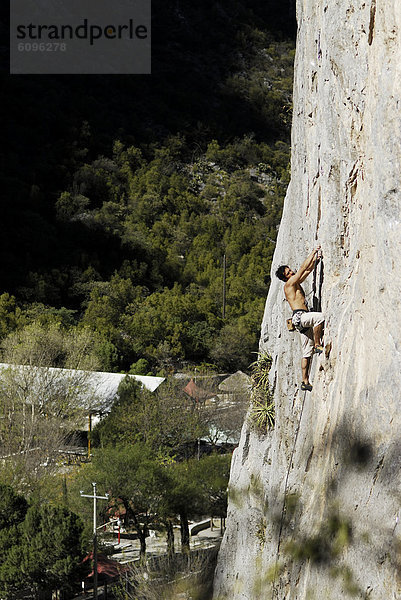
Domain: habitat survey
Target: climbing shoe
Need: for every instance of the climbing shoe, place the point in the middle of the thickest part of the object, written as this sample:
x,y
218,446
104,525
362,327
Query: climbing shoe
x,y
306,387
318,349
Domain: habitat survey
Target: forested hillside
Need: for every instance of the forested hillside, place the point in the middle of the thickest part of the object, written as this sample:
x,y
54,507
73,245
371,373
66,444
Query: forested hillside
x,y
122,194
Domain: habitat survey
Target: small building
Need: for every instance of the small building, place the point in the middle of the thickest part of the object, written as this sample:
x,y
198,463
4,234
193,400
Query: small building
x,y
224,401
197,393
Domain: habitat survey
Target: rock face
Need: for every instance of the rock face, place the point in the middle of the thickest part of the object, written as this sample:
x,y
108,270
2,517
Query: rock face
x,y
315,504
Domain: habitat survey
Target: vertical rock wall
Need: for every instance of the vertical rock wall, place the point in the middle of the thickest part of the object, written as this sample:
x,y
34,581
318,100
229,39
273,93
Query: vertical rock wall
x,y
333,460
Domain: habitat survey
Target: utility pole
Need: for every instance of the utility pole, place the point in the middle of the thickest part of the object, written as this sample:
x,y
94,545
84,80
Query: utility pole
x,y
95,497
224,286
89,433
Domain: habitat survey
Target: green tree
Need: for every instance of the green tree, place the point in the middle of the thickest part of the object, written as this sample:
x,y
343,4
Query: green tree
x,y
165,420
10,314
212,474
13,507
108,302
232,347
197,488
183,497
45,551
132,475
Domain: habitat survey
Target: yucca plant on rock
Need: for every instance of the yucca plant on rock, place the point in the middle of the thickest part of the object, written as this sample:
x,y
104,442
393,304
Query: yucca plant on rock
x,y
262,414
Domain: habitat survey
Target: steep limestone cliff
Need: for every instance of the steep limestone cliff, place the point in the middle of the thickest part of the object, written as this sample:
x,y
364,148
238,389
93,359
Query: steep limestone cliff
x,y
333,461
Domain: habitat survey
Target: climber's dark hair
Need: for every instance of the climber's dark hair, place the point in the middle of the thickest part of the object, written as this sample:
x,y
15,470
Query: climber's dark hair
x,y
280,272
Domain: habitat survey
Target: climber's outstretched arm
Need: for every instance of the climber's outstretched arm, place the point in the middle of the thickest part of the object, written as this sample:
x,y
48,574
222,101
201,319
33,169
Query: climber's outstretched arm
x,y
306,268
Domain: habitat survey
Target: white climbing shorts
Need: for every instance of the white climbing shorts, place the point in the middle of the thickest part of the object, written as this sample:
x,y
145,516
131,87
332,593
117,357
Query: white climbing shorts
x,y
304,322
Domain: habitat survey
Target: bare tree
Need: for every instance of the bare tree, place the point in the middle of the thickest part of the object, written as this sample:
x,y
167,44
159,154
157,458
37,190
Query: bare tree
x,y
45,384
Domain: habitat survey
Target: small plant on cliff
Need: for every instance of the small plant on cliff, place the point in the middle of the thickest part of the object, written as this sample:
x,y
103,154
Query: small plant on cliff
x,y
262,414
261,532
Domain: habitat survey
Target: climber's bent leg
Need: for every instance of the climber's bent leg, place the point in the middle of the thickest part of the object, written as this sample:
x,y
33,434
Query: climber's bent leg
x,y
307,343
318,334
315,321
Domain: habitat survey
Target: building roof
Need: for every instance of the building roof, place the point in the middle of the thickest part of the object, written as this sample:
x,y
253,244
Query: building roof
x,y
108,569
196,392
100,388
107,383
237,382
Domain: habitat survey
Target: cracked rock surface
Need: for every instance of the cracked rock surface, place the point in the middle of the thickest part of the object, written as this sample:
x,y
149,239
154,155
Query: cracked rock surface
x,y
315,504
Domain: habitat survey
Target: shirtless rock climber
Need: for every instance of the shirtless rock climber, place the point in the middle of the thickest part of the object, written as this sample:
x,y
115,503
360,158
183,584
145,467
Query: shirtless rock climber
x,y
309,324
